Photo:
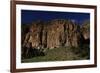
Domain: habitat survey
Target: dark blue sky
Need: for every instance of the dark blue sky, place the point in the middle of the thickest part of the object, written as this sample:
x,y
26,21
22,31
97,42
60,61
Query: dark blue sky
x,y
29,16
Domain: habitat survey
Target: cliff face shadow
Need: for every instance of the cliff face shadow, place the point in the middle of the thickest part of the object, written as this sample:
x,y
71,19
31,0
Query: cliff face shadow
x,y
32,52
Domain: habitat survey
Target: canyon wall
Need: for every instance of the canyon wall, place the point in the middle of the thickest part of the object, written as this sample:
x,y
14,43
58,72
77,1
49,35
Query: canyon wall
x,y
53,34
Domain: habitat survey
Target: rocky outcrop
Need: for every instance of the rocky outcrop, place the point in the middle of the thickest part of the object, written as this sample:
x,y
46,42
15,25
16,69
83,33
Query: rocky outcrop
x,y
53,34
85,29
56,33
62,33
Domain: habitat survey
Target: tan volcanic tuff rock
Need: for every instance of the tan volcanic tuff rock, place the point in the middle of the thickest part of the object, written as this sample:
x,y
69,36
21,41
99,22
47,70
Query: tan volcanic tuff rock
x,y
85,29
53,34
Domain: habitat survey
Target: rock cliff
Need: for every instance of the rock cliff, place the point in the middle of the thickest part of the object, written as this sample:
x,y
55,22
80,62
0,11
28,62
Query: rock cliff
x,y
53,34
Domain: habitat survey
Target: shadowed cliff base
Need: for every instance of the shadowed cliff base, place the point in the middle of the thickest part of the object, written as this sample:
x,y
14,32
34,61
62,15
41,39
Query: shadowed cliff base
x,y
60,54
55,40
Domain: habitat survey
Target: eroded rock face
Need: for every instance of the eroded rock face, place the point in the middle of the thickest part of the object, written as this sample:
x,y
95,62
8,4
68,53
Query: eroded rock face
x,y
86,30
56,33
55,36
34,36
62,33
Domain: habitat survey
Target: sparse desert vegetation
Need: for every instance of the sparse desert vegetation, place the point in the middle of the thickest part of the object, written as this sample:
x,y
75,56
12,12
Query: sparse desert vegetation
x,y
61,54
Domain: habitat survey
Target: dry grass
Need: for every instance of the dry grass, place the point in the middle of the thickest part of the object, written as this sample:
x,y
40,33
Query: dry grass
x,y
61,54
